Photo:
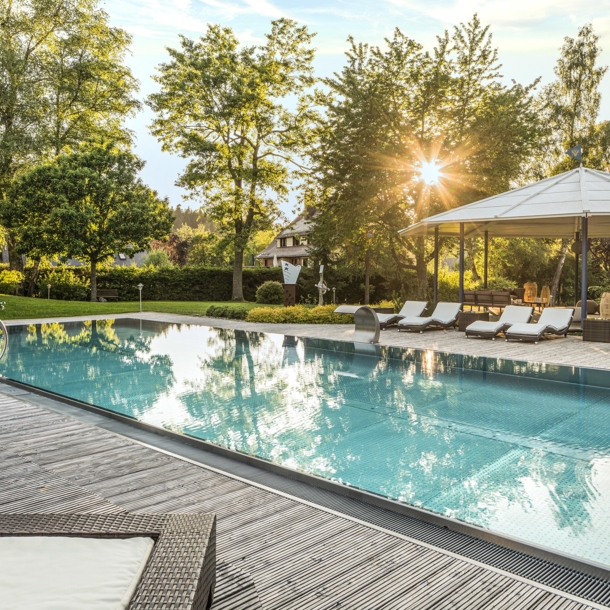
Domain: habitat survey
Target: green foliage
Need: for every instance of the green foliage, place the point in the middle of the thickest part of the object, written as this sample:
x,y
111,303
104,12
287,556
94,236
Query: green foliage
x,y
450,108
158,259
182,283
296,315
65,285
10,281
226,311
270,293
86,205
223,107
64,82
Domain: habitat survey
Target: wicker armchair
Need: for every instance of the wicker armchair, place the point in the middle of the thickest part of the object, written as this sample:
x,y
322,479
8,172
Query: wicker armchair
x,y
181,570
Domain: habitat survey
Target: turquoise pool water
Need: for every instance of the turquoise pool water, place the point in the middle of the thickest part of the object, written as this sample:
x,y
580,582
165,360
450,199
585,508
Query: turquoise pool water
x,y
521,449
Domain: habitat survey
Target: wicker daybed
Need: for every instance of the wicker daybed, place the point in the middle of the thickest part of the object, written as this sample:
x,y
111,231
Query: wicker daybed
x,y
181,570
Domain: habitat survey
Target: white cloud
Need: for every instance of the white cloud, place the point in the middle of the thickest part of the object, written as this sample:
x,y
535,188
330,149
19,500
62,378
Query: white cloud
x,y
265,9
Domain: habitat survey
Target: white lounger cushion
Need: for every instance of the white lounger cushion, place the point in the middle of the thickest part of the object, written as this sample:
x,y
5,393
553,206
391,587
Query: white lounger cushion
x,y
511,315
556,318
411,309
444,313
65,573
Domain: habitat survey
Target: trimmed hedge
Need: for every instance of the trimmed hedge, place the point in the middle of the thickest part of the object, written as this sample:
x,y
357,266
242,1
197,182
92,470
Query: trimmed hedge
x,y
270,293
323,314
224,311
183,283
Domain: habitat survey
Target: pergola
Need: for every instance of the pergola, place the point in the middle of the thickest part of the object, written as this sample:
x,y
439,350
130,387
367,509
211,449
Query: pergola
x,y
575,203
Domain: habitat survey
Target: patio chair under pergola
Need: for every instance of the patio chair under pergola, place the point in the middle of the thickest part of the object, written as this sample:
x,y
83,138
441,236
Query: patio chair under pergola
x,y
574,203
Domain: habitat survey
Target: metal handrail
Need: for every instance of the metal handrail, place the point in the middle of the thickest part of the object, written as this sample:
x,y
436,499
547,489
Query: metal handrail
x,y
4,332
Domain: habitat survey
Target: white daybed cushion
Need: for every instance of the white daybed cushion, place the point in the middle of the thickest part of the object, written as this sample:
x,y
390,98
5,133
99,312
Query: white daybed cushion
x,y
446,312
485,327
65,573
413,309
556,318
413,321
384,317
511,315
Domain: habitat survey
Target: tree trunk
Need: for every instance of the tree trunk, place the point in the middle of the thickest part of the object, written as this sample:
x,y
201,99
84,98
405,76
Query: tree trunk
x,y
367,277
15,260
558,270
31,288
422,272
93,281
238,271
471,252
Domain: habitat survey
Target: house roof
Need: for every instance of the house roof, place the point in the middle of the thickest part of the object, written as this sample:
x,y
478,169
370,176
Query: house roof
x,y
289,252
301,225
549,208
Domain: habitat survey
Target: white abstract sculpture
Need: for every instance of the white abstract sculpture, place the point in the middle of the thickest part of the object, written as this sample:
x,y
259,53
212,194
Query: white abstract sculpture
x,y
291,272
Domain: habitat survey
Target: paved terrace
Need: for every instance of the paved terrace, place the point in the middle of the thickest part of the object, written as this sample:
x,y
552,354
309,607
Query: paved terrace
x,y
275,551
570,351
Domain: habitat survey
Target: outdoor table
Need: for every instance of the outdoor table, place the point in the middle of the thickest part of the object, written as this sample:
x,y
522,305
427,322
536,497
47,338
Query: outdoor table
x,y
596,329
468,317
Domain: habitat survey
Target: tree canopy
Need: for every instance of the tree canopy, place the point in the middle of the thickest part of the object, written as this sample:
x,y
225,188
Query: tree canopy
x,y
226,109
86,205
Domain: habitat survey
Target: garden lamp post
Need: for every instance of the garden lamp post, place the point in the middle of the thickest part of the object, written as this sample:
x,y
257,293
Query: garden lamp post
x,y
140,286
334,296
48,291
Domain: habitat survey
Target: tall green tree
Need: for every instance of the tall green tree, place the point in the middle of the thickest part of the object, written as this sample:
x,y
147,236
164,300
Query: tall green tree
x,y
62,82
226,109
393,110
85,205
570,107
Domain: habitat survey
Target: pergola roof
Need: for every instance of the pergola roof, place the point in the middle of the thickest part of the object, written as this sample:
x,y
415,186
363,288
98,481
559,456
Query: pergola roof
x,y
550,208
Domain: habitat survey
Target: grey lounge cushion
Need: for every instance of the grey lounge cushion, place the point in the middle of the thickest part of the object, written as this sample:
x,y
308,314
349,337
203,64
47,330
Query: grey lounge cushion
x,y
511,315
70,573
552,319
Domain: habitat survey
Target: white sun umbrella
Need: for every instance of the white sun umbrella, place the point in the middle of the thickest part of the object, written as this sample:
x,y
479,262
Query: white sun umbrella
x,y
275,260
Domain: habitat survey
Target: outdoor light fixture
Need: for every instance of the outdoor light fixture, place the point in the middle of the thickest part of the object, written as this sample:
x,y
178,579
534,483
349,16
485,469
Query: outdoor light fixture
x,y
430,172
140,286
48,291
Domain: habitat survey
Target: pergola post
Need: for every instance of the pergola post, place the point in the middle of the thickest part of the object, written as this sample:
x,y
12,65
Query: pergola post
x,y
583,286
435,265
486,259
461,262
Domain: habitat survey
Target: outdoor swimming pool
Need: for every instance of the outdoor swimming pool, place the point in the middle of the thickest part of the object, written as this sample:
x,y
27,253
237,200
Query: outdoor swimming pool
x,y
521,449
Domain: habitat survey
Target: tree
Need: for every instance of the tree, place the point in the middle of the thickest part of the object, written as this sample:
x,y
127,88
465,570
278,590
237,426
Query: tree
x,y
87,205
62,82
393,110
570,106
225,109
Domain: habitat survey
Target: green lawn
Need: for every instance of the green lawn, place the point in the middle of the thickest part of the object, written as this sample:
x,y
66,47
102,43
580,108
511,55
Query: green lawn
x,y
18,308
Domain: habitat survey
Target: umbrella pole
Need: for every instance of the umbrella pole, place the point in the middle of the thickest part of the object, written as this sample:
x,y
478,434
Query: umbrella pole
x,y
486,260
435,265
461,262
583,286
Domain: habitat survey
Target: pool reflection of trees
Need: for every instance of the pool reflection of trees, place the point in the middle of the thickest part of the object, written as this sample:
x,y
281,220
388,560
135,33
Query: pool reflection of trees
x,y
383,427
79,360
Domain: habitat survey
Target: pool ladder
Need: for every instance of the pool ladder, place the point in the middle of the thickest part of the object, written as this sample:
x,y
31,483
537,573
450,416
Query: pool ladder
x,y
4,333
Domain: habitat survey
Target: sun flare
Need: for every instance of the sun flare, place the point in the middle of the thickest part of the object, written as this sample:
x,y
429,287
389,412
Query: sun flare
x,y
430,172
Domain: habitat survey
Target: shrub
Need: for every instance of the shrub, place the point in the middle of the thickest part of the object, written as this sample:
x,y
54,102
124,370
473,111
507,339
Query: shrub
x,y
65,285
270,293
323,314
158,259
226,311
10,281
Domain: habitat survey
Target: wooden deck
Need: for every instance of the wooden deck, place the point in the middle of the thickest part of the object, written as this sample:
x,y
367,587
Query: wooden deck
x,y
274,552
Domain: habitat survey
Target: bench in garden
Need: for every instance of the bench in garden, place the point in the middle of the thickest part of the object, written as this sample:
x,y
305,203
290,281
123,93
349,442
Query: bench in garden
x,y
107,293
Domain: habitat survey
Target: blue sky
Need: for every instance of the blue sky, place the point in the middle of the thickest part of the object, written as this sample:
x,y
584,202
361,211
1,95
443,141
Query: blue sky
x,y
527,32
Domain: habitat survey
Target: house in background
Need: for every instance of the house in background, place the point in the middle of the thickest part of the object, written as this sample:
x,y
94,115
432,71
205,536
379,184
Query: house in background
x,y
291,244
